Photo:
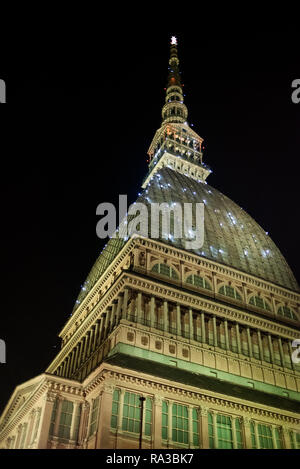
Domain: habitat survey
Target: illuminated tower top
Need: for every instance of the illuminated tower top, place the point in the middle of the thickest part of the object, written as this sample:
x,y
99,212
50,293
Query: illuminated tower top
x,y
174,110
175,144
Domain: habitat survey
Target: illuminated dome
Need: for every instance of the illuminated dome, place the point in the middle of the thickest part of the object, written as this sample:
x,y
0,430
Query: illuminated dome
x,y
231,236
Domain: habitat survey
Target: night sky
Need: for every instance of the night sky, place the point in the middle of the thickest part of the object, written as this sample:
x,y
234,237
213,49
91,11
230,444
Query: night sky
x,y
80,118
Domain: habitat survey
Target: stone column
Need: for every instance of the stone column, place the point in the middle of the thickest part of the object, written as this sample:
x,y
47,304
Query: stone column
x,y
227,346
103,434
178,319
247,432
91,341
83,425
139,308
261,350
29,436
291,353
238,338
76,358
286,438
85,339
152,311
214,417
215,331
113,319
234,440
76,405
96,335
274,437
203,332
64,368
125,303
281,352
191,325
166,321
43,434
106,325
204,442
157,422
120,413
101,327
271,348
72,363
119,308
19,433
249,342
256,435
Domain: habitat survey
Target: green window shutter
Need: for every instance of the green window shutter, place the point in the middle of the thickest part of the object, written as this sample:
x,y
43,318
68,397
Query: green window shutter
x,y
164,428
195,427
131,413
65,420
148,416
115,408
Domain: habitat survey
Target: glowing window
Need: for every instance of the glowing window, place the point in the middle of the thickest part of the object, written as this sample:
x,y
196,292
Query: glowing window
x,y
231,292
164,269
198,281
259,303
287,313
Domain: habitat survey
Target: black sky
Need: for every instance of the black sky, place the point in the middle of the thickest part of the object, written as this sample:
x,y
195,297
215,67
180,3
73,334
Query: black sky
x,y
75,133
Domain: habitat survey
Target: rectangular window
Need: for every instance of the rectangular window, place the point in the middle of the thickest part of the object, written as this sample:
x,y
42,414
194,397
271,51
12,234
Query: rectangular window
x,y
265,436
180,423
224,432
65,420
131,413
94,416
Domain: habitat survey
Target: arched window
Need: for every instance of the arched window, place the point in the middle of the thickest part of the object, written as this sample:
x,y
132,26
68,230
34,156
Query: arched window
x,y
164,269
227,290
198,281
259,303
286,312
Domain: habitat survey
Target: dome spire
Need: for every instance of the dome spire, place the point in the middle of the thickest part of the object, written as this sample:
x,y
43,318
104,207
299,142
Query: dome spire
x,y
174,110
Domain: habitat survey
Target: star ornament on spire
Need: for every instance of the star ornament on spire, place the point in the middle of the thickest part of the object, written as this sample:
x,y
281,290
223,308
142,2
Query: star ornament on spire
x,y
174,40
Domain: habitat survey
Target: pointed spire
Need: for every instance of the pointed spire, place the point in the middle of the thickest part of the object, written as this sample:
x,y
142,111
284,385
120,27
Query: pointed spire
x,y
174,110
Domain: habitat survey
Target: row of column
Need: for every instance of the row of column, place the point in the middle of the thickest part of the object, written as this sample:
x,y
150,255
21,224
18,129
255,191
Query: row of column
x,y
94,337
193,330
147,313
